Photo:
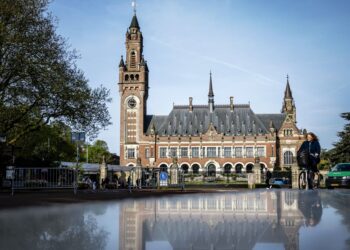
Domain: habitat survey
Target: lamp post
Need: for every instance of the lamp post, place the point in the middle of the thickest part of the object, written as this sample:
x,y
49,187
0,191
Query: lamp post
x,y
77,137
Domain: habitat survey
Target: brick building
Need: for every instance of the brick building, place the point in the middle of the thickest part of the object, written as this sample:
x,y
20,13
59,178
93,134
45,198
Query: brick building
x,y
212,138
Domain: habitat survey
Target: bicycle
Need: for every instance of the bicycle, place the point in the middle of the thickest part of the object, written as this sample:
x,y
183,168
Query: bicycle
x,y
303,180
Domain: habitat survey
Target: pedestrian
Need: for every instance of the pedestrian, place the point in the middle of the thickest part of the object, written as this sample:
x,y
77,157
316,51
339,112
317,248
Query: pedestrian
x,y
309,156
129,184
94,186
267,179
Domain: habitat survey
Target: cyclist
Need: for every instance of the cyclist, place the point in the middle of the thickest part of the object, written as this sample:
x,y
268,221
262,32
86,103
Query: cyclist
x,y
309,155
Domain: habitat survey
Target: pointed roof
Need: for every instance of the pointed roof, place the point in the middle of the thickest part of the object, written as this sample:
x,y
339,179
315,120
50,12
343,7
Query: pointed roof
x,y
288,92
121,63
211,92
134,22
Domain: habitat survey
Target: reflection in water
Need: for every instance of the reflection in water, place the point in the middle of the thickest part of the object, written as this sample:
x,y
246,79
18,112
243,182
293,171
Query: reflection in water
x,y
273,219
70,227
249,220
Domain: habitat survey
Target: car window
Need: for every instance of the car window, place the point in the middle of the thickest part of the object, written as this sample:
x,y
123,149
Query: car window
x,y
341,167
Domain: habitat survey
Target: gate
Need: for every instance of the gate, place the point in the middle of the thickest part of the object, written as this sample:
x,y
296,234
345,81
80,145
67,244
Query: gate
x,y
44,178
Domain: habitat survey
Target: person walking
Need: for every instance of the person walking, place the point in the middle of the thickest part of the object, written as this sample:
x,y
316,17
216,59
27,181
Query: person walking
x,y
268,177
309,155
129,184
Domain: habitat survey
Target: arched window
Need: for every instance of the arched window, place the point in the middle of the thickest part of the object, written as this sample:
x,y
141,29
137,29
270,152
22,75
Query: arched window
x,y
137,77
126,78
164,168
250,168
211,170
227,169
195,169
239,168
288,158
131,77
133,59
185,168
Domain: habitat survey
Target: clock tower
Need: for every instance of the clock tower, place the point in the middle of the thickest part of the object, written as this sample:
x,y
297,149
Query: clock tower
x,y
133,90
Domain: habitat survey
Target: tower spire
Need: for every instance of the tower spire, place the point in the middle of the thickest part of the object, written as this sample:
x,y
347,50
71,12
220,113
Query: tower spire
x,y
211,95
211,92
288,92
288,102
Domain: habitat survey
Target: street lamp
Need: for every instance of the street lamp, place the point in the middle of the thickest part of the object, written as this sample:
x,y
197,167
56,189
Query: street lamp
x,y
77,137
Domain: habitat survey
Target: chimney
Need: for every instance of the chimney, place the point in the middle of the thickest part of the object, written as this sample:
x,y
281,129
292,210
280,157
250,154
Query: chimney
x,y
231,103
190,104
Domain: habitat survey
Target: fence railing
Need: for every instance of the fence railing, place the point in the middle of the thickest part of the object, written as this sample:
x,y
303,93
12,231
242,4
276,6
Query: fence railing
x,y
44,178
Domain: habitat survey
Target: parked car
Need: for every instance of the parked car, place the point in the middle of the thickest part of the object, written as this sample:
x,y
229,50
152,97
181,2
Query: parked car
x,y
280,182
339,176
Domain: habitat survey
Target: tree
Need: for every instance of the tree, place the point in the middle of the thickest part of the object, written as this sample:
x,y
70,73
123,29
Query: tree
x,y
341,151
39,79
99,150
46,146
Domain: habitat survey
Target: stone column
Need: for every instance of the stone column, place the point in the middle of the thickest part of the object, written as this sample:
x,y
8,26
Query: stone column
x,y
103,171
257,171
295,176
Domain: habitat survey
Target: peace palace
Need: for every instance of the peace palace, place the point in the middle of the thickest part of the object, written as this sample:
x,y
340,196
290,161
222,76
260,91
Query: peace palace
x,y
212,138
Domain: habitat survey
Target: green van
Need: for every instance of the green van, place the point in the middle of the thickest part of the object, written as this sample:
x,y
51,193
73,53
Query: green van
x,y
339,176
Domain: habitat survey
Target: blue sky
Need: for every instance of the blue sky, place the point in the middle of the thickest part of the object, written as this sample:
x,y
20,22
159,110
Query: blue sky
x,y
250,47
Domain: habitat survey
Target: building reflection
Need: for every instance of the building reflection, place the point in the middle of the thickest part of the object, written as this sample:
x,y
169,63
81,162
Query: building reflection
x,y
227,221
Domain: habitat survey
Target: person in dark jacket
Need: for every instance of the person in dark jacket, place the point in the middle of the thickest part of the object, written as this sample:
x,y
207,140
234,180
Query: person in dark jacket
x,y
309,153
312,146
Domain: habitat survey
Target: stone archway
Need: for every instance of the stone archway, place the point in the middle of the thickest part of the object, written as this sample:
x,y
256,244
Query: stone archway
x,y
239,168
249,168
227,168
211,170
163,168
185,168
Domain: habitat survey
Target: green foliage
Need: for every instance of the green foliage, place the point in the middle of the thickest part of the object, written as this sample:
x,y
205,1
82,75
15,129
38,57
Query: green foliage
x,y
341,152
98,151
39,79
46,146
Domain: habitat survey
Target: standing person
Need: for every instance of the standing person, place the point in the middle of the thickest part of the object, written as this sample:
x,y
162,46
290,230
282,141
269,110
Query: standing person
x,y
309,155
129,184
268,177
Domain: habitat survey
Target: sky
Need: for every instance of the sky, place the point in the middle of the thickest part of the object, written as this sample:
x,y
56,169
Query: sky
x,y
249,46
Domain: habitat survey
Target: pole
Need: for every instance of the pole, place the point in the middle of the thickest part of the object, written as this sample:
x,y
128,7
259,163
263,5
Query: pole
x,y
87,153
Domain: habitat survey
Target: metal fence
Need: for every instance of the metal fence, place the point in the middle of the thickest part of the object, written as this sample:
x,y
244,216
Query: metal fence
x,y
44,178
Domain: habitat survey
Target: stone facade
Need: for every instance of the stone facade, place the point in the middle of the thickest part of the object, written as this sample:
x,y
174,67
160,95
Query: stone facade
x,y
211,138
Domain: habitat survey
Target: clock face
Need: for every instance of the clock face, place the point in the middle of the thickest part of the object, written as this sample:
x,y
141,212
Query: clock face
x,y
131,103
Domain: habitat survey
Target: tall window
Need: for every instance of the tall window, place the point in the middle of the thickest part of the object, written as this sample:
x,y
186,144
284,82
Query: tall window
x,y
131,126
131,153
249,152
162,152
195,152
173,152
147,155
132,59
288,158
184,152
261,151
227,152
211,152
238,152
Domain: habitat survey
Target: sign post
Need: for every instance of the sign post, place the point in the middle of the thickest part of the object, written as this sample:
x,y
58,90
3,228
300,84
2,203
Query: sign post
x,y
163,179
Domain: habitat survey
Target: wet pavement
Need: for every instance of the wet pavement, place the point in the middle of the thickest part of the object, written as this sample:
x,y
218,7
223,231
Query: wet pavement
x,y
259,219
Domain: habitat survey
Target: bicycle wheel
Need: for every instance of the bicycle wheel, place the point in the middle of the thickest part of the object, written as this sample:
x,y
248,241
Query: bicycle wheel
x,y
302,180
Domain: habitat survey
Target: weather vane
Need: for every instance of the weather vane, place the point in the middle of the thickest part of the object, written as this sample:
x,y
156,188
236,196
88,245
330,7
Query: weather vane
x,y
133,4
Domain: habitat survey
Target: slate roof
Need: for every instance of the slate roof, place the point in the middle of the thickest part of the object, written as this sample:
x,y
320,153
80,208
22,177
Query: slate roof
x,y
241,121
134,22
